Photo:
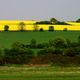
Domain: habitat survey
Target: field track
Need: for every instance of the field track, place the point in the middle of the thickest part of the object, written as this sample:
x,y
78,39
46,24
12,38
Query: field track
x,y
39,73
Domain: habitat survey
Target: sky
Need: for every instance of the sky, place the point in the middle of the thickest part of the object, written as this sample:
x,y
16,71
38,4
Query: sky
x,y
63,10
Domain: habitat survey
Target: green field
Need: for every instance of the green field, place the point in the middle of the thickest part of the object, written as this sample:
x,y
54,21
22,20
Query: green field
x,y
7,38
39,73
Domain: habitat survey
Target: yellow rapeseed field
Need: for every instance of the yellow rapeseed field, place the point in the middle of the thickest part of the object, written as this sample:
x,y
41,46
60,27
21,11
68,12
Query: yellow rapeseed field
x,y
29,25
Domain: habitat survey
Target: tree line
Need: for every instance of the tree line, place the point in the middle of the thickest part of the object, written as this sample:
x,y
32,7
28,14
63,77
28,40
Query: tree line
x,y
54,52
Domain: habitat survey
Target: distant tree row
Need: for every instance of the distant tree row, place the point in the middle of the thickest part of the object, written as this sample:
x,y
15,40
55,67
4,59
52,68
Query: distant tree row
x,y
22,28
36,28
52,21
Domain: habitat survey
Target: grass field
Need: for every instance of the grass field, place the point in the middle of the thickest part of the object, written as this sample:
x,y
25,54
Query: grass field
x,y
7,38
39,73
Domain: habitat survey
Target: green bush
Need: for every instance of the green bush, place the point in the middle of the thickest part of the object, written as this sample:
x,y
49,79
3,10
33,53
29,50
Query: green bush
x,y
65,29
18,54
51,28
33,43
41,29
59,43
6,28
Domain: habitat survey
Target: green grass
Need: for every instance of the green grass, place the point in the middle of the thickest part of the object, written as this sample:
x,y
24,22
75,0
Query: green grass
x,y
7,38
39,73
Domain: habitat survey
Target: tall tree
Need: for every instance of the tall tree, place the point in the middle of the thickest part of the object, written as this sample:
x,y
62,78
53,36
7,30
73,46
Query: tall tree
x,y
36,27
53,20
78,20
6,28
51,28
21,26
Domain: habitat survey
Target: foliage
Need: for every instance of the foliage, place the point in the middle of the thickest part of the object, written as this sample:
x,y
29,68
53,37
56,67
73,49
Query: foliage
x,y
59,43
79,40
51,28
22,26
18,54
53,20
44,22
16,45
33,43
41,29
78,20
61,23
60,51
6,28
65,29
36,27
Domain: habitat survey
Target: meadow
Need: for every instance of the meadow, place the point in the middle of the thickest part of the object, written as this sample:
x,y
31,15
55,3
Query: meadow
x,y
39,73
8,38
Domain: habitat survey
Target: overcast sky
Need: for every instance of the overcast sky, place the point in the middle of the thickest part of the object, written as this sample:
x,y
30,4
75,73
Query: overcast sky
x,y
40,9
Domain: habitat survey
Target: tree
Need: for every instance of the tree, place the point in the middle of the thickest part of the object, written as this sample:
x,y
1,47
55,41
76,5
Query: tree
x,y
6,28
72,51
61,23
78,20
44,22
2,55
65,29
79,40
16,45
33,43
36,27
53,20
59,43
41,29
51,28
21,26
18,54
51,42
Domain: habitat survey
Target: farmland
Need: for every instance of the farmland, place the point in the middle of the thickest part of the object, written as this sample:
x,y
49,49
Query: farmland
x,y
39,73
14,25
7,38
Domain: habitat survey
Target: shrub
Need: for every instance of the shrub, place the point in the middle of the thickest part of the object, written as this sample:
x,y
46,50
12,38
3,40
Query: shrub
x,y
40,45
59,43
71,52
79,40
22,26
33,43
6,28
51,28
16,45
78,20
36,27
2,56
65,29
44,22
18,56
41,29
51,42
